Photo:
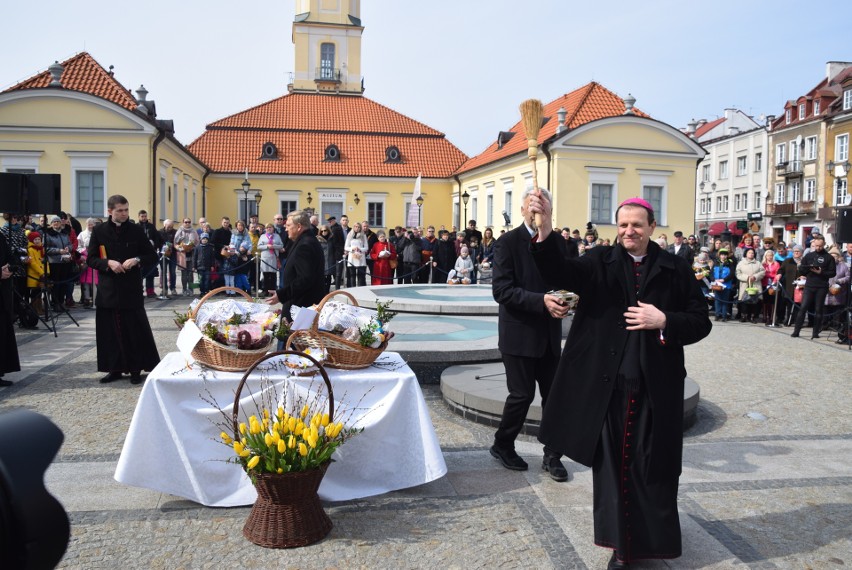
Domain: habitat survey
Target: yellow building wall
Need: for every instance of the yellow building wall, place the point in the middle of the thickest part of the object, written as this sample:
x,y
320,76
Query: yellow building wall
x,y
179,161
223,200
664,157
56,112
832,132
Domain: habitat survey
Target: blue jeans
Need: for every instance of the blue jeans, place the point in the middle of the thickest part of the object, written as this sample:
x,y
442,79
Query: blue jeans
x,y
204,278
722,304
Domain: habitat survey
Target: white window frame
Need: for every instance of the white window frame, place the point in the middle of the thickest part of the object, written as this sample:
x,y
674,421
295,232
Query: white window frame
x,y
723,170
657,178
163,202
758,161
18,160
795,192
841,192
780,153
194,200
294,196
810,190
186,180
705,172
795,151
802,108
725,203
737,202
757,200
745,201
88,161
780,193
810,148
508,186
377,198
598,175
489,208
841,148
176,172
742,165
816,108
788,116
847,99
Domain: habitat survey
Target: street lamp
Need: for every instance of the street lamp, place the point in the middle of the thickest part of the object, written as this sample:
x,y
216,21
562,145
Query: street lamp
x,y
309,199
246,188
707,193
419,210
357,200
465,197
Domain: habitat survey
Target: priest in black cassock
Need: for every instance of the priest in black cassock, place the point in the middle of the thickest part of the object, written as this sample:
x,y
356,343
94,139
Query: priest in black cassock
x,y
616,403
118,249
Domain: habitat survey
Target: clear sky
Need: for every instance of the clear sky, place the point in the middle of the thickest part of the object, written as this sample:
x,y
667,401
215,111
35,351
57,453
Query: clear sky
x,y
460,66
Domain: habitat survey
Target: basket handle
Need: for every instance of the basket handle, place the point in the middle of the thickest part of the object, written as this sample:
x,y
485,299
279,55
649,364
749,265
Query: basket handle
x,y
329,297
235,416
214,292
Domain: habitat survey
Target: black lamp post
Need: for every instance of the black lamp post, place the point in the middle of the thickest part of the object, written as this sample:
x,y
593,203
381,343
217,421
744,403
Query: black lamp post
x,y
246,188
419,210
465,197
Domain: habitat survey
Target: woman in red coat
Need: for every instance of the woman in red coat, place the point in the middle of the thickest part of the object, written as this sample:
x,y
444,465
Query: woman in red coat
x,y
382,253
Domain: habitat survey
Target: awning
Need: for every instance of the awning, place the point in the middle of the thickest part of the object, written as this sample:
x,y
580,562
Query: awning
x,y
716,228
732,227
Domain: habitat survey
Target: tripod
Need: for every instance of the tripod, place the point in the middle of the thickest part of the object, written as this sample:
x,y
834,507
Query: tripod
x,y
50,315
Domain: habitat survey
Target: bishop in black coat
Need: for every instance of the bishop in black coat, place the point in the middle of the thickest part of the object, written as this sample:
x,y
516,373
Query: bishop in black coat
x,y
616,403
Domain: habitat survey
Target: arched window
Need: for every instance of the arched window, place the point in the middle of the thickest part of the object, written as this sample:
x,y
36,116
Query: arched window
x,y
270,151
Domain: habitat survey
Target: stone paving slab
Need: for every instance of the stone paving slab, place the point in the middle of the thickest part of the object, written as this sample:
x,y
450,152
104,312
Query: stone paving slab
x,y
767,479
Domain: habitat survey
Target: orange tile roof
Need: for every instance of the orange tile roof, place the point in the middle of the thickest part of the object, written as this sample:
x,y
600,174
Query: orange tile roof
x,y
588,103
707,127
82,73
302,125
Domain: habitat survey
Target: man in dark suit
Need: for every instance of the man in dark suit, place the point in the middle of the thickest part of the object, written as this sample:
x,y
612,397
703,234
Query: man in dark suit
x,y
680,248
529,328
304,273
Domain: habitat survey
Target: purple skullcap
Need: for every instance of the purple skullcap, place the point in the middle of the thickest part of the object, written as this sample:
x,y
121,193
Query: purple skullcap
x,y
637,202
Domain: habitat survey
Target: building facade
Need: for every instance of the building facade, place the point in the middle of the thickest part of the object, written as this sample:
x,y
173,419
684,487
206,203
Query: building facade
x,y
730,189
76,120
801,190
595,150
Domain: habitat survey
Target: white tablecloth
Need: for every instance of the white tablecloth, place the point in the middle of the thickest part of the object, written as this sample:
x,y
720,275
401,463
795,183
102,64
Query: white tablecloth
x,y
173,443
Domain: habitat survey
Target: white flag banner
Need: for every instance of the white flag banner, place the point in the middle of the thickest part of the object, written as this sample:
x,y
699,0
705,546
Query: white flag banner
x,y
413,218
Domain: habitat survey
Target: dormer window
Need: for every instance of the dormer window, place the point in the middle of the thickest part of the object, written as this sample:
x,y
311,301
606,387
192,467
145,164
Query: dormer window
x,y
269,151
392,154
788,116
801,111
816,108
503,137
847,99
332,153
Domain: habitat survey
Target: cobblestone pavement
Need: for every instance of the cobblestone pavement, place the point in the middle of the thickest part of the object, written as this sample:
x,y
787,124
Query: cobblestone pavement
x,y
767,479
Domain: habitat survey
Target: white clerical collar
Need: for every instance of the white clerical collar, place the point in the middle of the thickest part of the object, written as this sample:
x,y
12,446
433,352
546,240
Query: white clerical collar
x,y
637,258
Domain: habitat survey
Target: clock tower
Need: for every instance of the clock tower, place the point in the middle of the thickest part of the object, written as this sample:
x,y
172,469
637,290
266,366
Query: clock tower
x,y
327,39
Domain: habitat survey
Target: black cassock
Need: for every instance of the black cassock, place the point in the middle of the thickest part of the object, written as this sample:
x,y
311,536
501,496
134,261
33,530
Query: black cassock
x,y
124,339
8,344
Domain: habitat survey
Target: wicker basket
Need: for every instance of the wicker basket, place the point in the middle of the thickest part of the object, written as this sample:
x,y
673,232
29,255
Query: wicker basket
x,y
341,352
287,512
210,353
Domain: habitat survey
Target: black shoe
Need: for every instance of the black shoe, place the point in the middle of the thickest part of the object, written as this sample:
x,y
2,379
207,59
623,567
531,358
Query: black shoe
x,y
795,334
616,564
841,341
509,458
136,377
725,319
815,336
111,377
554,466
718,318
5,383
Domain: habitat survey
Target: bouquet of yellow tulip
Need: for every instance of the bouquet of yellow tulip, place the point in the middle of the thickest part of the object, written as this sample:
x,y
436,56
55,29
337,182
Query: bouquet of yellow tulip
x,y
285,443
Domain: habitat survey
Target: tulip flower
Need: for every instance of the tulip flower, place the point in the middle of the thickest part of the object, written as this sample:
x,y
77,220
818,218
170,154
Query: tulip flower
x,y
265,414
280,471
267,439
305,411
226,438
282,447
252,463
243,428
291,442
325,420
303,449
280,413
276,437
238,447
291,424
